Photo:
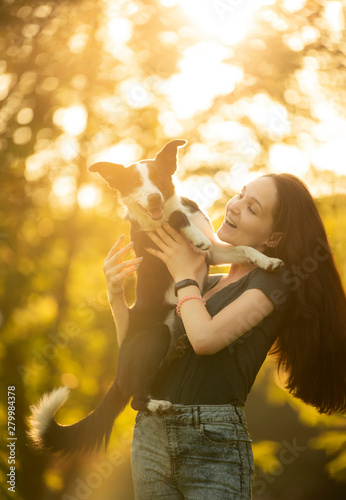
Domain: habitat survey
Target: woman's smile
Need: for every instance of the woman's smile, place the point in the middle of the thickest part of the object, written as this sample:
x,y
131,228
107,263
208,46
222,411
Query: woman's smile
x,y
230,222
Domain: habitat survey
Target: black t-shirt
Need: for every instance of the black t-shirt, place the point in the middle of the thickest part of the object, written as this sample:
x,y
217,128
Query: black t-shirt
x,y
227,376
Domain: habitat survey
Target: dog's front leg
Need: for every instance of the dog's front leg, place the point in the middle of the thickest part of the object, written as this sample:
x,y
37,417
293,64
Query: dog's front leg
x,y
180,221
223,253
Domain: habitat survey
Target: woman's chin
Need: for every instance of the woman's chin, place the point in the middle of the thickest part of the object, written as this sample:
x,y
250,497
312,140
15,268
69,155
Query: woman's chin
x,y
225,234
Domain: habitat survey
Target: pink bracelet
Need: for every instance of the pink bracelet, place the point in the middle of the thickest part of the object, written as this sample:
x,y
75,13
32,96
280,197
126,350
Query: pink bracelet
x,y
188,297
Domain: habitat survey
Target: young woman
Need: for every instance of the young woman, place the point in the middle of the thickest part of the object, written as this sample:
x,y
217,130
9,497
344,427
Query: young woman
x,y
202,449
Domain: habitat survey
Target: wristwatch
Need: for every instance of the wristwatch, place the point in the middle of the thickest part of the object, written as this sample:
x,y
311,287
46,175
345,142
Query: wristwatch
x,y
183,284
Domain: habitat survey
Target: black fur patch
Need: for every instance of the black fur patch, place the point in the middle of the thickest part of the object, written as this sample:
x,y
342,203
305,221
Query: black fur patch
x,y
190,204
124,180
130,181
178,220
161,178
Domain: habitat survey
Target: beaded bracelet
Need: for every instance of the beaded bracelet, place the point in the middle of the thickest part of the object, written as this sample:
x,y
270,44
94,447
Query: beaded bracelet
x,y
188,297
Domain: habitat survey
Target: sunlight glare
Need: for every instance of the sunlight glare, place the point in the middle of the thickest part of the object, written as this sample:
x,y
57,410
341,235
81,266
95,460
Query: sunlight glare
x,y
169,3
72,120
293,5
5,84
269,115
334,16
331,156
228,20
64,186
201,189
88,196
125,152
284,158
119,33
77,42
203,76
63,194
119,30
34,168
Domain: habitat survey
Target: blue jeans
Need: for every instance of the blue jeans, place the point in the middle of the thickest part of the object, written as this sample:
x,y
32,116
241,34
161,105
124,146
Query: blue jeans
x,y
195,453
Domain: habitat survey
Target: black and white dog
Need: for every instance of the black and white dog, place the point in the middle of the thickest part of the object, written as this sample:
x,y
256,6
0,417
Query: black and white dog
x,y
147,190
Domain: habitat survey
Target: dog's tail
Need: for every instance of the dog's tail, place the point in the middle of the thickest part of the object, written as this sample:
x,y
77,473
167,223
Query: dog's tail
x,y
83,436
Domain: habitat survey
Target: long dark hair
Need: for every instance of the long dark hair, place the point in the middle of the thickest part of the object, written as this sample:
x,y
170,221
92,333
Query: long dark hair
x,y
312,347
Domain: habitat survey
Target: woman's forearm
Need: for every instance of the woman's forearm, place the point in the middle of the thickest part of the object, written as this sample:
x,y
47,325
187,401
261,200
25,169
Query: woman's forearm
x,y
208,335
116,270
121,316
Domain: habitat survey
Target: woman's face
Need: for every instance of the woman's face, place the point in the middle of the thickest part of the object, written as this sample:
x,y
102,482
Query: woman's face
x,y
249,216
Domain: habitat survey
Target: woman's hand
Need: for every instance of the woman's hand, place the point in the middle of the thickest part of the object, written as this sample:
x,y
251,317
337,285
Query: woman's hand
x,y
116,270
181,259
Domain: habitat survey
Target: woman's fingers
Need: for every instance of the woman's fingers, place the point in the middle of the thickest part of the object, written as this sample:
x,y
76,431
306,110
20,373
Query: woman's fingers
x,y
118,254
169,235
115,254
168,241
156,238
115,283
173,233
162,238
116,274
156,253
127,263
116,270
122,273
116,246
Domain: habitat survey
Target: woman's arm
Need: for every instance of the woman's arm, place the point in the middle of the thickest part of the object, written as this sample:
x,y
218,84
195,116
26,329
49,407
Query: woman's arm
x,y
207,335
115,271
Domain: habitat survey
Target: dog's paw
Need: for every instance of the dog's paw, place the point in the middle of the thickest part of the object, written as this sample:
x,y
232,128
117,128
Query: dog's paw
x,y
248,254
182,346
271,264
160,407
196,237
202,244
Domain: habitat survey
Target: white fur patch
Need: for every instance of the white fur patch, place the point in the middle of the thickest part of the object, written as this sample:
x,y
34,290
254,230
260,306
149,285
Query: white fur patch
x,y
172,299
43,412
148,187
158,405
173,203
140,196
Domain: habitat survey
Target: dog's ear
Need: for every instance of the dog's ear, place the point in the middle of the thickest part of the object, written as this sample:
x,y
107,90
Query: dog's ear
x,y
168,156
112,173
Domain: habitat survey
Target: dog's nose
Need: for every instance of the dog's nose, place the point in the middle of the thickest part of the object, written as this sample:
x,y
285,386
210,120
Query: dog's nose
x,y
154,199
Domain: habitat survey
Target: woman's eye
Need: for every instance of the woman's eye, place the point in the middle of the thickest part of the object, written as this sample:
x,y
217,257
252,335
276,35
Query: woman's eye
x,y
249,207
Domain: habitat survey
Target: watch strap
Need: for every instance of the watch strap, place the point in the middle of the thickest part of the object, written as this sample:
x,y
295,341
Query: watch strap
x,y
183,284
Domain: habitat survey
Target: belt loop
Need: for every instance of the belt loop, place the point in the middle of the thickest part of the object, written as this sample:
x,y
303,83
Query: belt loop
x,y
196,416
240,415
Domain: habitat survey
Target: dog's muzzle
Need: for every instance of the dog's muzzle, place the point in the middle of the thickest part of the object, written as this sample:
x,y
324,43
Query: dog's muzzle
x,y
155,206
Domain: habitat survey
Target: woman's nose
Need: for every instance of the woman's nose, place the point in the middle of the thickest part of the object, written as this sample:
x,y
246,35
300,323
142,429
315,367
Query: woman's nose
x,y
234,208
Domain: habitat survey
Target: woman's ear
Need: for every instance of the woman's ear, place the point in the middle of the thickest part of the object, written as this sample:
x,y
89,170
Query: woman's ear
x,y
274,240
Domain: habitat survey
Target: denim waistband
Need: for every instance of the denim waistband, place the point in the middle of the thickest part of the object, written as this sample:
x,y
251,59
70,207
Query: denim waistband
x,y
202,414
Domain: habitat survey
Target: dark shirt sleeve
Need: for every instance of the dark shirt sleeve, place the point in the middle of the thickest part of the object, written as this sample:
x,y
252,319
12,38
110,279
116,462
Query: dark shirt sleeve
x,y
276,285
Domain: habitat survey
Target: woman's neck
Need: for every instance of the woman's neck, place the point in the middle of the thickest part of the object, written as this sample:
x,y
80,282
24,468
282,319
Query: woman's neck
x,y
237,271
